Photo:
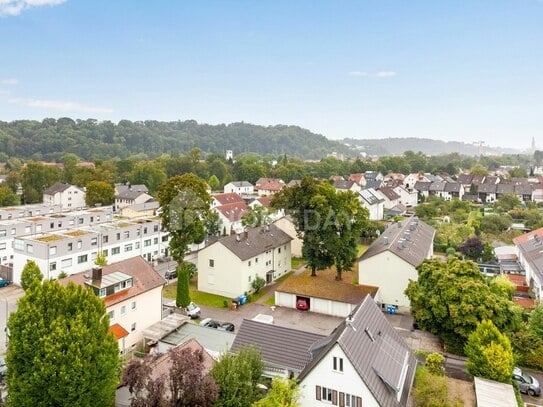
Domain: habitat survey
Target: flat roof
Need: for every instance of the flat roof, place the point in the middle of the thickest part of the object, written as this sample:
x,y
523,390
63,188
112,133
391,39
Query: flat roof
x,y
160,329
494,394
211,339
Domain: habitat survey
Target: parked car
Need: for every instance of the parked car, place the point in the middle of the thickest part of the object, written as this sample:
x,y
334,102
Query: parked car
x,y
526,383
222,326
193,311
4,283
170,274
302,303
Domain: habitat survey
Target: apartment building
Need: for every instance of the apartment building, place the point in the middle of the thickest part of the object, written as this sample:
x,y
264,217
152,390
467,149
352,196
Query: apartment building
x,y
24,211
73,251
46,223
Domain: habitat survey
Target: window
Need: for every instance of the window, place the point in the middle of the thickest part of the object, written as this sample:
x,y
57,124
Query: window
x,y
38,228
350,400
147,242
126,234
98,219
53,266
52,225
110,313
128,247
115,250
66,263
93,256
279,250
155,228
165,238
18,244
326,394
2,246
133,327
249,265
338,364
79,244
138,231
102,293
256,260
70,246
27,229
80,221
59,224
155,240
123,310
118,236
94,241
105,252
29,248
145,230
13,231
133,305
137,245
105,239
71,222
82,259
52,250
211,263
249,278
92,219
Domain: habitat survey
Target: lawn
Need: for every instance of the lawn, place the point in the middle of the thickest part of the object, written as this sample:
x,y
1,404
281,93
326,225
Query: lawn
x,y
361,249
212,300
296,262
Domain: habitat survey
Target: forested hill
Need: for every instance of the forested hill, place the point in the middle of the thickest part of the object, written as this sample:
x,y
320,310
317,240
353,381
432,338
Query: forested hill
x,y
397,146
89,139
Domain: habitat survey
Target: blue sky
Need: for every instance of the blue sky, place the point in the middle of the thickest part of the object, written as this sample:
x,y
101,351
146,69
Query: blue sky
x,y
452,70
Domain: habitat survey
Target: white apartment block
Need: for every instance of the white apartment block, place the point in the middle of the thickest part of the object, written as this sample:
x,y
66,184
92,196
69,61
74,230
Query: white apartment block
x,y
74,251
66,195
46,223
24,211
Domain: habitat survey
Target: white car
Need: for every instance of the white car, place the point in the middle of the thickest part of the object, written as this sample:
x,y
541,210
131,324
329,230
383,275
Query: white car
x,y
193,311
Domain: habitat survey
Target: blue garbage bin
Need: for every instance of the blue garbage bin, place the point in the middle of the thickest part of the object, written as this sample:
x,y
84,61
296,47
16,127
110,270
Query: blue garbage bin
x,y
391,309
242,299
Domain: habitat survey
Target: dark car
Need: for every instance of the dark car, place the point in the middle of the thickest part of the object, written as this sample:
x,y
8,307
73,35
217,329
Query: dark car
x,y
222,326
302,304
226,326
170,274
4,283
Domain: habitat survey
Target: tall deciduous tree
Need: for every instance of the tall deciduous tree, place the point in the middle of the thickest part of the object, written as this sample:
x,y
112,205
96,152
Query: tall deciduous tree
x,y
35,177
237,376
489,353
283,393
451,298
185,207
185,385
149,174
257,216
73,360
183,276
213,224
8,197
99,192
31,274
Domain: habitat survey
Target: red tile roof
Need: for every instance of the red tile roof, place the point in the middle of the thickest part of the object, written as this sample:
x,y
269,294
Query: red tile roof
x,y
228,198
234,211
528,236
118,331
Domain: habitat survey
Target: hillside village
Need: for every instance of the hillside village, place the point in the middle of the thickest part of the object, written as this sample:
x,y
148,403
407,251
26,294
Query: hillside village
x,y
249,272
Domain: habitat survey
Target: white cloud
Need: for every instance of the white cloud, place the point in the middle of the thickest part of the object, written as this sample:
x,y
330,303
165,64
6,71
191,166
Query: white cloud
x,y
16,7
60,105
9,81
3,92
358,73
385,74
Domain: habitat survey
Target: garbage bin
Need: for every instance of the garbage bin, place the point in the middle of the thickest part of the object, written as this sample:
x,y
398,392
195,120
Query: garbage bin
x,y
242,299
234,306
391,309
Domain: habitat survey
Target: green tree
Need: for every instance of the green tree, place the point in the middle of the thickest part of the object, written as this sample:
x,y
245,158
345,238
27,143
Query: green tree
x,y
478,169
518,173
213,224
237,376
283,393
430,390
536,321
31,274
434,363
8,197
101,259
214,183
450,298
35,177
257,216
183,295
489,353
507,202
149,174
258,283
73,360
99,192
185,207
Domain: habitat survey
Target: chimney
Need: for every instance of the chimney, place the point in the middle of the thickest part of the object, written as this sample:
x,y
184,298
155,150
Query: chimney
x,y
96,273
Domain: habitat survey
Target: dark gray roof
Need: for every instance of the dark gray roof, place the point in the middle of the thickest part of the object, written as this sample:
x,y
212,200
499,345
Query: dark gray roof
x,y
437,186
410,240
503,188
130,194
465,178
452,187
523,189
389,193
120,188
342,184
255,241
487,188
240,184
56,188
370,196
490,180
369,175
519,181
376,351
422,186
373,183
478,179
280,346
532,252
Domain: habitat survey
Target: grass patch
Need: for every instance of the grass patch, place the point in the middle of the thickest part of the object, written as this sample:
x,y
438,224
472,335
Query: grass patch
x,y
361,249
296,262
212,300
270,301
256,296
284,277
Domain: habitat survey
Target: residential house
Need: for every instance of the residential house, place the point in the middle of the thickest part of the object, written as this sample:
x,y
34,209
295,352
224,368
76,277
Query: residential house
x,y
465,180
411,179
363,362
437,188
225,199
294,182
148,208
286,224
391,261
408,198
230,216
537,193
358,178
453,190
265,202
132,293
373,175
524,192
422,188
228,266
23,211
285,351
128,195
530,255
239,187
393,179
74,250
504,188
390,197
344,186
65,195
486,193
270,188
263,181
373,202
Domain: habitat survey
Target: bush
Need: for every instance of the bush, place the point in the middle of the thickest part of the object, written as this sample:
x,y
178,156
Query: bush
x,y
430,390
451,251
434,364
257,284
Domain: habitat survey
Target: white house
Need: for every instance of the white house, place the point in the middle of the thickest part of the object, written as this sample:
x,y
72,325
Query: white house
x,y
128,195
265,202
225,199
389,196
239,187
363,362
391,261
529,251
132,292
230,216
66,195
228,266
341,186
409,198
411,179
373,202
286,224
